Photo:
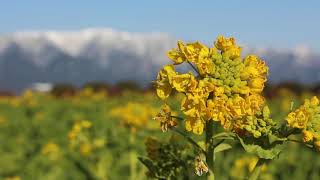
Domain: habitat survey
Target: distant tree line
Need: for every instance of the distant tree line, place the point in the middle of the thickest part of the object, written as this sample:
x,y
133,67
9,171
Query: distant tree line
x,y
63,89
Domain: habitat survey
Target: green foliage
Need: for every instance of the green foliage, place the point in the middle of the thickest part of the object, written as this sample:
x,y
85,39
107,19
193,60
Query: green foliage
x,y
263,151
27,125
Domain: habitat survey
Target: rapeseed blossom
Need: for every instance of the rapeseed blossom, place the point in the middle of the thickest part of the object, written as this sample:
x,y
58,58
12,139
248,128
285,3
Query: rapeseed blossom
x,y
134,115
307,118
51,150
226,88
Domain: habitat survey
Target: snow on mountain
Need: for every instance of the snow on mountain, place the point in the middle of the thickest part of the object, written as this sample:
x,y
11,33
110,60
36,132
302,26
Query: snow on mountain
x,y
109,55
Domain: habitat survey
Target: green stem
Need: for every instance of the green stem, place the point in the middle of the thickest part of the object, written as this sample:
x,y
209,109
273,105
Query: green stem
x,y
209,149
257,169
190,140
177,117
133,158
300,142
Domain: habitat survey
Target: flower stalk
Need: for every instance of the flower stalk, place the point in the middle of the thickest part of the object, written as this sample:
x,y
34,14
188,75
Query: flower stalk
x,y
133,157
209,149
257,169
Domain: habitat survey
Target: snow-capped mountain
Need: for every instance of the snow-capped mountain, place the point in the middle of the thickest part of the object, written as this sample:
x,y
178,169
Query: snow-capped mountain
x,y
108,55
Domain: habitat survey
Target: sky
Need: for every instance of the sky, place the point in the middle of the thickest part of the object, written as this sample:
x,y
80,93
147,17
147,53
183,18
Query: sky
x,y
273,23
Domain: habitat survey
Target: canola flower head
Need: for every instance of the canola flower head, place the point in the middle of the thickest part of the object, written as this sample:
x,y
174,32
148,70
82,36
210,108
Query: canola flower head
x,y
77,131
307,136
257,125
99,142
86,124
134,115
50,148
225,88
304,114
86,149
307,119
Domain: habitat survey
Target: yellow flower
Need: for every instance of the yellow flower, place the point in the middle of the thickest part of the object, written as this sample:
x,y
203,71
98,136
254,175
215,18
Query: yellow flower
x,y
176,55
307,118
227,88
237,106
50,148
254,68
228,47
99,143
254,103
184,82
297,119
194,124
195,52
307,136
165,118
163,83
219,91
85,149
192,52
206,86
257,84
218,110
86,124
234,52
224,44
193,105
314,101
134,115
205,67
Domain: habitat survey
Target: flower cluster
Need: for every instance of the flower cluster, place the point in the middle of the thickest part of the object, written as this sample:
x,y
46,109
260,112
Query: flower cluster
x,y
134,115
77,127
79,137
259,124
225,89
51,150
307,118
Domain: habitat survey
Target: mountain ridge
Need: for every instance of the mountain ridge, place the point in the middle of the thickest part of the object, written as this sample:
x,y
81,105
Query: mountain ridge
x,y
110,56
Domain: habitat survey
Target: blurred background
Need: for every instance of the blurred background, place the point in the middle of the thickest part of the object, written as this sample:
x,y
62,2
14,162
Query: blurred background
x,y
70,70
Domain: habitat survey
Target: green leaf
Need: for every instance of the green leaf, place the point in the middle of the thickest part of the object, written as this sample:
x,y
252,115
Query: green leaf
x,y
262,152
224,135
274,138
222,147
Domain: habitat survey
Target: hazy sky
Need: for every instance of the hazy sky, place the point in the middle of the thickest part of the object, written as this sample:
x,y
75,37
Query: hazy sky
x,y
276,23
